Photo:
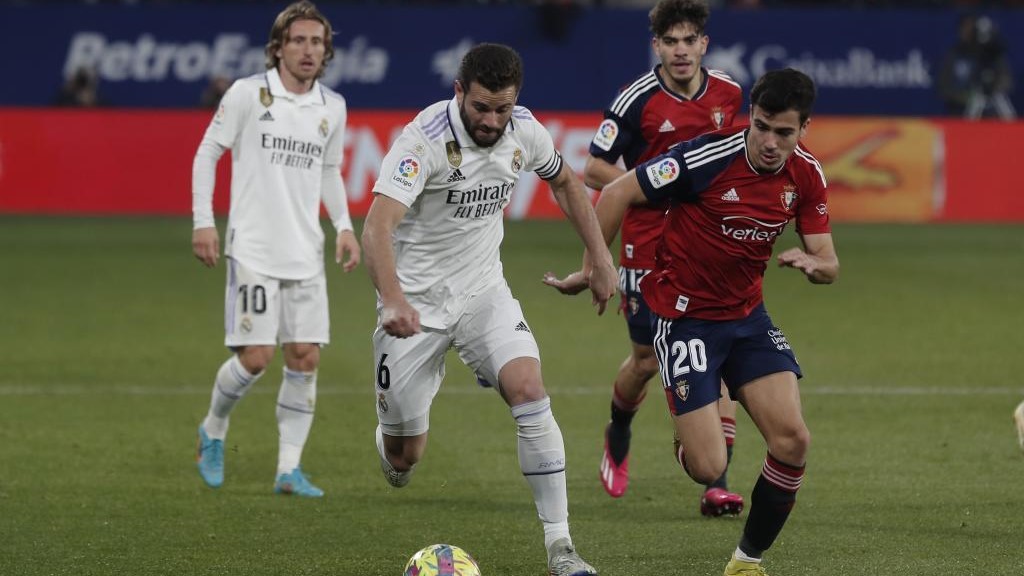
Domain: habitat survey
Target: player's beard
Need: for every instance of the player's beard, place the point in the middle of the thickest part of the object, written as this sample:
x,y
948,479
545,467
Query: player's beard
x,y
471,128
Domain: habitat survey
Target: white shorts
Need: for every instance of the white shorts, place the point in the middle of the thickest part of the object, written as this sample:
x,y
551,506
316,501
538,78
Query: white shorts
x,y
491,332
263,311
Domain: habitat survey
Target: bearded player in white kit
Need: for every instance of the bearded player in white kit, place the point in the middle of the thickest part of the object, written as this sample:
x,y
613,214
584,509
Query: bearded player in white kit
x,y
286,132
432,238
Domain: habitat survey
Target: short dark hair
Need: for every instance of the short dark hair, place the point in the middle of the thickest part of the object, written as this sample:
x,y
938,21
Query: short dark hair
x,y
787,89
668,13
493,66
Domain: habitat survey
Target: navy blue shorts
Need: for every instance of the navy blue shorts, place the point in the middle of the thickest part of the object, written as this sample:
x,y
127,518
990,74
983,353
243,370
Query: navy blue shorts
x,y
639,318
694,355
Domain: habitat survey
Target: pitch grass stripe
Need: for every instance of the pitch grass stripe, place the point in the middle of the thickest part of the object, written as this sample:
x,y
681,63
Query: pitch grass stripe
x,y
460,388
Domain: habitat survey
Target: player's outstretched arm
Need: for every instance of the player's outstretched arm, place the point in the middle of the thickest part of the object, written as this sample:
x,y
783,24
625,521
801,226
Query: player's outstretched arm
x,y
818,260
398,317
598,268
596,174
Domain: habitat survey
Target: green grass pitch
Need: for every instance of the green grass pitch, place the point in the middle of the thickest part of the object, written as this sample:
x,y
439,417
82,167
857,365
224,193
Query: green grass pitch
x,y
110,334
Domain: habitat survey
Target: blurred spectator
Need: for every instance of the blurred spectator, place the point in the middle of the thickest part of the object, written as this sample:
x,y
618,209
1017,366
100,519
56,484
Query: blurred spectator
x,y
80,90
976,78
214,91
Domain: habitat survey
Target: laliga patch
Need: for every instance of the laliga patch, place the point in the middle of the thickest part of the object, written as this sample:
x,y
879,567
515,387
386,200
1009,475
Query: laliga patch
x,y
606,134
406,172
664,172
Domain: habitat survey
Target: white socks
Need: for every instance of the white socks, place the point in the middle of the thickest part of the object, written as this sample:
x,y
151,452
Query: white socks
x,y
296,402
232,382
542,460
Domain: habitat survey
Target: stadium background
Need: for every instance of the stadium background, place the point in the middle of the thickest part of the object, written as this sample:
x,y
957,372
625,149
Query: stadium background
x,y
110,331
878,127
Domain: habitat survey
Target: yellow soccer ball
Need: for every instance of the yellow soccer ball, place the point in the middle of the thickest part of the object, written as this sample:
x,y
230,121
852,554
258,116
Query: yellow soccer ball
x,y
441,560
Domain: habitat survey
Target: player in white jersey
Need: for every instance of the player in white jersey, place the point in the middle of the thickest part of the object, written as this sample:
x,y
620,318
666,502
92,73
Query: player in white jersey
x,y
286,133
431,240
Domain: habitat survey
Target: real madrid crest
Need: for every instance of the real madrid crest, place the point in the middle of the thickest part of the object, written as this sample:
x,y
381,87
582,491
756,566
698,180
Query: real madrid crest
x,y
517,160
266,98
323,127
788,196
717,116
454,153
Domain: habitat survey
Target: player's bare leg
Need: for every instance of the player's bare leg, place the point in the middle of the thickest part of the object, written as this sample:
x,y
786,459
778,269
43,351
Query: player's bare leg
x,y
398,455
627,394
773,402
717,500
542,460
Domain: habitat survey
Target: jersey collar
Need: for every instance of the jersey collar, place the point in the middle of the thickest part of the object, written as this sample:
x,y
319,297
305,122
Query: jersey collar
x,y
705,78
315,96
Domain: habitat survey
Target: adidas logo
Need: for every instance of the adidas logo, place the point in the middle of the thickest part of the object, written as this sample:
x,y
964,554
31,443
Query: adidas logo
x,y
731,195
455,177
266,117
666,126
522,327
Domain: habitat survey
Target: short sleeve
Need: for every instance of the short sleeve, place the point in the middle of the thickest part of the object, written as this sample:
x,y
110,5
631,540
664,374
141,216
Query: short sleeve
x,y
406,167
542,157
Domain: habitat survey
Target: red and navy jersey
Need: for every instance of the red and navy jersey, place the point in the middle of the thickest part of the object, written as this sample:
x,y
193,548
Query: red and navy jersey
x,y
644,120
723,220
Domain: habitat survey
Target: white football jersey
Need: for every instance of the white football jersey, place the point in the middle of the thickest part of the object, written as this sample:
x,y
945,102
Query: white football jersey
x,y
280,143
446,247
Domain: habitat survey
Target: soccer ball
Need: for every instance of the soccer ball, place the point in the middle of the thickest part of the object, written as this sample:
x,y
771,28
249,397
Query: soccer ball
x,y
441,560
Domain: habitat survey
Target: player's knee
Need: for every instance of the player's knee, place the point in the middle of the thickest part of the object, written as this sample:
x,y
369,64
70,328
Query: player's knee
x,y
704,468
645,365
255,359
407,458
792,445
302,357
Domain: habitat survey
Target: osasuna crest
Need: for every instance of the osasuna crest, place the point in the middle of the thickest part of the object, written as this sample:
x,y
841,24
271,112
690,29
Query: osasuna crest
x,y
323,127
266,98
454,153
634,305
788,196
517,160
717,116
683,390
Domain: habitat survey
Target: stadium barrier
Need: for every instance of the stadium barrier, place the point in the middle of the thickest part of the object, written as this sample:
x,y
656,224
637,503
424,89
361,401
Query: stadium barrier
x,y
112,162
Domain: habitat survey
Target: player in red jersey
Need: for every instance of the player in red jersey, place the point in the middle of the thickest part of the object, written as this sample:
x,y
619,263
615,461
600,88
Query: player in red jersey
x,y
733,192
676,101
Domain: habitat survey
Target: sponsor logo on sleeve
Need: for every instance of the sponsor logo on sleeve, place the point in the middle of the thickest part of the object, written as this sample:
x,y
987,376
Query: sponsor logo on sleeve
x,y
822,208
606,134
406,172
664,172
